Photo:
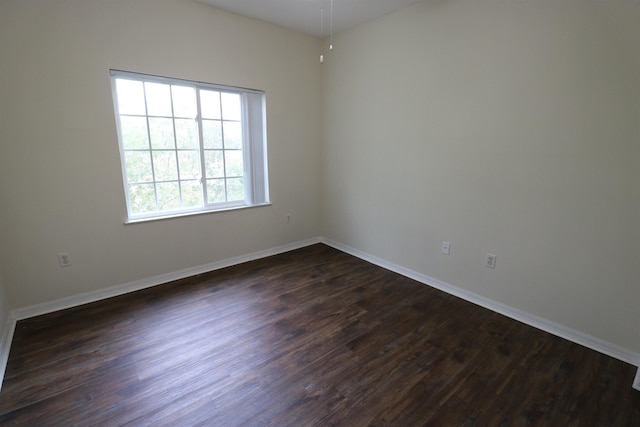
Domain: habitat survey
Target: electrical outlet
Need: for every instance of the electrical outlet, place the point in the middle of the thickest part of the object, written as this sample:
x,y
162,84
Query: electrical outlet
x,y
289,218
491,261
445,248
64,259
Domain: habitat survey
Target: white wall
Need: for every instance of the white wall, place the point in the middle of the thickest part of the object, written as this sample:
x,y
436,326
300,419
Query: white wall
x,y
510,127
62,184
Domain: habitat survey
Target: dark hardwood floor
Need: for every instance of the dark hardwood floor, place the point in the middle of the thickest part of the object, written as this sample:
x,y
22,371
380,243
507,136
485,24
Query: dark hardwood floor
x,y
312,337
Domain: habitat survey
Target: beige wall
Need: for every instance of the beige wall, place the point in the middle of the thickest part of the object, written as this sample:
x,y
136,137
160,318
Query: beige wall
x,y
4,306
61,180
510,127
501,126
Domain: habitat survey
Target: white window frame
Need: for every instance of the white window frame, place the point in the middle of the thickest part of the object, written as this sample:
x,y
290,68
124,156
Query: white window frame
x,y
254,148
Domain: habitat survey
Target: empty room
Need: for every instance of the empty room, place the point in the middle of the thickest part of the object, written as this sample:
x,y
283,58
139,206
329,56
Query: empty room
x,y
320,212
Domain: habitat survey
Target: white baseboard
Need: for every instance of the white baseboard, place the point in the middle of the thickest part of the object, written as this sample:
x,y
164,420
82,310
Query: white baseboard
x,y
88,297
5,345
578,337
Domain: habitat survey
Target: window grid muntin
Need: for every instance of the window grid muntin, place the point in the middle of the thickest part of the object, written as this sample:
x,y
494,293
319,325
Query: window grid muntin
x,y
253,124
150,150
225,178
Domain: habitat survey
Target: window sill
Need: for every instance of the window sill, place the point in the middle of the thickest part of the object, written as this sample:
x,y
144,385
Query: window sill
x,y
180,215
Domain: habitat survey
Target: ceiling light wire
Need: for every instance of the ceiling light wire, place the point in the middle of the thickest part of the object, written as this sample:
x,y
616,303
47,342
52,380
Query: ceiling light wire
x,y
331,27
322,30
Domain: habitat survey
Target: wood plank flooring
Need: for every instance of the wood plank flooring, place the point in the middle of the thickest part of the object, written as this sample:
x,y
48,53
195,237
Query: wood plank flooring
x,y
313,337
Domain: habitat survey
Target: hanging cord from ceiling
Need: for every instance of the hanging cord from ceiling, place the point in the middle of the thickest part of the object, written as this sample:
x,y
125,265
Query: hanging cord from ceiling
x,y
322,29
331,27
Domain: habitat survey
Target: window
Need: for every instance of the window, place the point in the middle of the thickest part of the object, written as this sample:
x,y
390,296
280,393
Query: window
x,y
189,147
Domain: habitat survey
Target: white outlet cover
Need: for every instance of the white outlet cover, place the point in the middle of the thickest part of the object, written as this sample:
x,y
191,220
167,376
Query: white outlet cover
x,y
446,246
491,260
64,259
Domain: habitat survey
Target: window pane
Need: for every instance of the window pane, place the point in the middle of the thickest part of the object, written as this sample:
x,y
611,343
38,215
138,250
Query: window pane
x,y
186,133
168,195
233,163
161,133
191,194
231,106
164,165
184,101
134,132
130,97
138,165
210,104
189,163
212,133
235,189
185,145
142,198
158,99
232,135
215,191
214,164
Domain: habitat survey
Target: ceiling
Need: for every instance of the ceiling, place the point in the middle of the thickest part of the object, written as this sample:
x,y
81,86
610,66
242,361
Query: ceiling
x,y
304,15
